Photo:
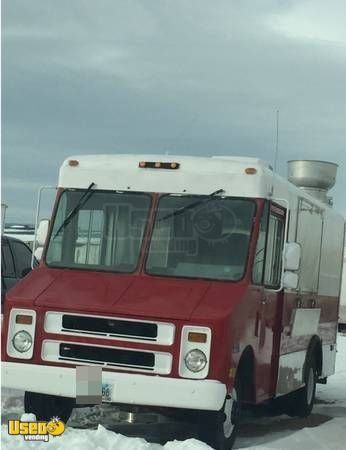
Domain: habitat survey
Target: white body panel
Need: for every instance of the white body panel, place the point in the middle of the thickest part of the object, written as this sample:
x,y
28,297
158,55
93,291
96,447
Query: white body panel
x,y
290,376
130,389
196,175
291,365
305,321
328,360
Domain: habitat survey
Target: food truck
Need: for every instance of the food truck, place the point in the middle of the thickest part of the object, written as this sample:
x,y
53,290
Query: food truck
x,y
193,283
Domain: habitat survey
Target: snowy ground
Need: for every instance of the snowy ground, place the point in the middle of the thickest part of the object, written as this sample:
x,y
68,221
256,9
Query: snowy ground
x,y
325,429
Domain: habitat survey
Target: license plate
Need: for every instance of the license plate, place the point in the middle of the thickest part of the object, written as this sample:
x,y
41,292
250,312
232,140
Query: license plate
x,y
107,392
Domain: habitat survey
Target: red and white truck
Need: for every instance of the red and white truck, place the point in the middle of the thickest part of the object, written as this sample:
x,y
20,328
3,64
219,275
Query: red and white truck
x,y
195,283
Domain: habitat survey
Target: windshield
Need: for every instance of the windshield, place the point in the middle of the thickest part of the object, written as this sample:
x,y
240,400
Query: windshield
x,y
209,240
104,231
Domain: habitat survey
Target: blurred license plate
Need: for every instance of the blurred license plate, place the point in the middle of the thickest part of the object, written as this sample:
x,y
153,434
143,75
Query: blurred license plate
x,y
107,392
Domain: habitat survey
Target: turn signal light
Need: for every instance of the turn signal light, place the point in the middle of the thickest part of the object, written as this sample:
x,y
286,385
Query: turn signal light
x,y
200,338
24,319
250,171
73,163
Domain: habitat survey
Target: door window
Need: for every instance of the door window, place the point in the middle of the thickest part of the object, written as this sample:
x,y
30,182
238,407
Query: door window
x,y
257,274
274,248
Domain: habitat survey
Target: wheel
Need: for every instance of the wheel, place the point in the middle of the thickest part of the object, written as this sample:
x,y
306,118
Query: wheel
x,y
47,406
222,429
301,402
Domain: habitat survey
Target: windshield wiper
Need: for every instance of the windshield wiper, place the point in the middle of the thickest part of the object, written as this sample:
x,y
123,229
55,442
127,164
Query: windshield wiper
x,y
192,205
84,198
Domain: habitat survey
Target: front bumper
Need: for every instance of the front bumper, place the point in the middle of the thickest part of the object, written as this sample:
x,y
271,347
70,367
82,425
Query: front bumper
x,y
146,390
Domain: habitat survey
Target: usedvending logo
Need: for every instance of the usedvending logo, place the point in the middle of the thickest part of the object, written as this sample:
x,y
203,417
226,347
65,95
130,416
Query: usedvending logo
x,y
37,430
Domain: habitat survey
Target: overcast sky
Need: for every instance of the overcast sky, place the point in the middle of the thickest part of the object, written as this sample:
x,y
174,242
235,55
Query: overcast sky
x,y
189,77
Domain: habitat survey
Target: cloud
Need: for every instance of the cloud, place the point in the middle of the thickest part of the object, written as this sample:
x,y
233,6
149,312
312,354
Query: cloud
x,y
314,21
187,77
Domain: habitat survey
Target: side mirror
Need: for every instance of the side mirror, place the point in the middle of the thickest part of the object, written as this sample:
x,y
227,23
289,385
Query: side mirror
x,y
38,253
293,253
42,231
290,280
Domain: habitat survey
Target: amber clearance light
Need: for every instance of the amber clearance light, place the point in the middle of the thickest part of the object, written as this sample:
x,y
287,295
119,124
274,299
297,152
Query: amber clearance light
x,y
250,171
24,319
158,165
200,338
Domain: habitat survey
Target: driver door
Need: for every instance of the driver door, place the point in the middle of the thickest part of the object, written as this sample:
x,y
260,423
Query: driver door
x,y
267,275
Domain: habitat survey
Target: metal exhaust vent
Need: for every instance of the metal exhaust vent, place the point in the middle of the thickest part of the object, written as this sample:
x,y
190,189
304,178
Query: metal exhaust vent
x,y
314,177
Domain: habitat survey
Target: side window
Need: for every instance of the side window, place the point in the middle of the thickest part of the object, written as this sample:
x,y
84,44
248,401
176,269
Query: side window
x,y
22,257
309,218
275,242
257,273
7,260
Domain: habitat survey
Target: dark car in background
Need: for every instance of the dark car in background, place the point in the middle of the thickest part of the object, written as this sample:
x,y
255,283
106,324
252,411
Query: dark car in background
x,y
15,262
23,232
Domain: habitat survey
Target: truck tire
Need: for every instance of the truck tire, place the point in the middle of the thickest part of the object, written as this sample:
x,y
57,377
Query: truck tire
x,y
301,402
47,406
222,429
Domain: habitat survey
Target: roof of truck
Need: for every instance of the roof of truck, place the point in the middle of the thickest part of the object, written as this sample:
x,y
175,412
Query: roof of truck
x,y
195,175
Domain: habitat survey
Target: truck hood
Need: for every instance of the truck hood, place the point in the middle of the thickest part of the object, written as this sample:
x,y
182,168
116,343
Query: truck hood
x,y
109,293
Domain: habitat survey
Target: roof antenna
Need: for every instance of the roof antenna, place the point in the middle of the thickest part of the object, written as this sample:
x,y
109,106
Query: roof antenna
x,y
277,140
271,193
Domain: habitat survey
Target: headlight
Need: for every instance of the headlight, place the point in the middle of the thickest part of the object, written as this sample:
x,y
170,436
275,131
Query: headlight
x,y
22,341
195,360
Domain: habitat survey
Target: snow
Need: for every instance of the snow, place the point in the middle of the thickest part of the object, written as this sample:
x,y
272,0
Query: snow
x,y
28,417
325,429
100,439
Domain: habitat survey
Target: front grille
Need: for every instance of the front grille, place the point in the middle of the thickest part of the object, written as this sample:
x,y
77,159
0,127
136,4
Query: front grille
x,y
105,355
109,327
113,328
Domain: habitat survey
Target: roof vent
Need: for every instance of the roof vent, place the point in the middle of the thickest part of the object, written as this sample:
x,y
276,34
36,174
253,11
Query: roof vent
x,y
314,177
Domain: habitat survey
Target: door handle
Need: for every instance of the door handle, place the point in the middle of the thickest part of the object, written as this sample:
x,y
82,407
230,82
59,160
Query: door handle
x,y
264,301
